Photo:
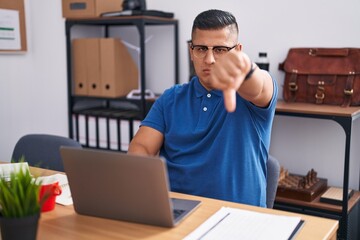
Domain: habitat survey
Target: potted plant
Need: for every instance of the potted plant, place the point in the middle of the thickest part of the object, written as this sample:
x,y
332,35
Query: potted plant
x,y
19,205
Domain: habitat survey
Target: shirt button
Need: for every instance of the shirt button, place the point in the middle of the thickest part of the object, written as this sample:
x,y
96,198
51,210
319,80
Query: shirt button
x,y
204,109
208,95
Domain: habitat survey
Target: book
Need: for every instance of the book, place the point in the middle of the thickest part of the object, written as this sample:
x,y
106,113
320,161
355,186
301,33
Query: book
x,y
234,223
334,195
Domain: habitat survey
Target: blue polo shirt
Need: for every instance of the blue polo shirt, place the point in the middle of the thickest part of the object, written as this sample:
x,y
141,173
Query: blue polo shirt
x,y
211,152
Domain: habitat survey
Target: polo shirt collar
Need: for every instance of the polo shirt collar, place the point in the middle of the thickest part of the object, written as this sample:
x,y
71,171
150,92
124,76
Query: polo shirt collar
x,y
201,91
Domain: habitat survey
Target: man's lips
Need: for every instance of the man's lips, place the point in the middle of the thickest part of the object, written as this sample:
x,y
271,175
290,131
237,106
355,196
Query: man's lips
x,y
206,70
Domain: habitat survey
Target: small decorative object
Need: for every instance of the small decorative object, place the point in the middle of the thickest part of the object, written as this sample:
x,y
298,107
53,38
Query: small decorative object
x,y
20,205
305,188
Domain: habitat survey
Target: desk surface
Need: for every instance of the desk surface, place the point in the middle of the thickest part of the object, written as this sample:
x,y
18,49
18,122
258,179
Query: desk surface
x,y
310,108
64,223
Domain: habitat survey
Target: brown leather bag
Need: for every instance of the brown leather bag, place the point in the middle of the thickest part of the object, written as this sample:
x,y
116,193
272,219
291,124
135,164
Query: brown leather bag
x,y
322,75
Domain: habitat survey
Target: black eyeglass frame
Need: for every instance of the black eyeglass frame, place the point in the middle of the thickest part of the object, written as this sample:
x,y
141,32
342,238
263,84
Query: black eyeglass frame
x,y
212,48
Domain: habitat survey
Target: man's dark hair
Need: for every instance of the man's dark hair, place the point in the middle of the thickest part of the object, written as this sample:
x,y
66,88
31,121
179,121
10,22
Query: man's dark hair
x,y
214,20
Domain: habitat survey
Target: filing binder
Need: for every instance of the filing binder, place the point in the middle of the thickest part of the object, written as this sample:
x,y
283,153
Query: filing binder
x,y
103,128
92,135
119,73
103,67
113,129
93,66
86,54
80,67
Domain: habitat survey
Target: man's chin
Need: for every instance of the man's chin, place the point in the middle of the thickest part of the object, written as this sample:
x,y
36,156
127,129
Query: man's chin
x,y
205,77
205,82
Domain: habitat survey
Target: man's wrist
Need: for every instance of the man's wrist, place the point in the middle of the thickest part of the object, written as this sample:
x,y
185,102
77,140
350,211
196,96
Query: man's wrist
x,y
252,70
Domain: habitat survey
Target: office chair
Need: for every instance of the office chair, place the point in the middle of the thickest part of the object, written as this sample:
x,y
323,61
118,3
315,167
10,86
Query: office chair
x,y
272,178
42,150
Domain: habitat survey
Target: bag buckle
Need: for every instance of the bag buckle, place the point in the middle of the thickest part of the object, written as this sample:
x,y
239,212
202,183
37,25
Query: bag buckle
x,y
320,95
348,92
293,87
312,52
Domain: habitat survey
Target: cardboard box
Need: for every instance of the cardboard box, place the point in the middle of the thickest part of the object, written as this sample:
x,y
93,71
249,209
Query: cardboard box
x,y
103,67
89,8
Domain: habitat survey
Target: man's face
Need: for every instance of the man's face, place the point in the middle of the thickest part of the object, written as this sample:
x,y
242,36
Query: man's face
x,y
210,38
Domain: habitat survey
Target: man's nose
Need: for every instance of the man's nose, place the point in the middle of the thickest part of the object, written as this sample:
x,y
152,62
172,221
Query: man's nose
x,y
209,57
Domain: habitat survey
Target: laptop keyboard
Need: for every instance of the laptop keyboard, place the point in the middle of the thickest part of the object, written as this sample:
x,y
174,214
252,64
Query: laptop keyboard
x,y
177,212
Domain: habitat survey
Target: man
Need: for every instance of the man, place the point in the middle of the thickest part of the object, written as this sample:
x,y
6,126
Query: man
x,y
211,150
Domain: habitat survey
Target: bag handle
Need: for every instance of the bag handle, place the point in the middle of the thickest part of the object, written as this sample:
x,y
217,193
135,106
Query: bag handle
x,y
329,52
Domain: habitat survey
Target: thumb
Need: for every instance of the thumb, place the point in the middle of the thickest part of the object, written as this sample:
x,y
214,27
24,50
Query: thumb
x,y
230,99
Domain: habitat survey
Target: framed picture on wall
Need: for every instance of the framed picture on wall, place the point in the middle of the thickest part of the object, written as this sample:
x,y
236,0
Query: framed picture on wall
x,y
12,26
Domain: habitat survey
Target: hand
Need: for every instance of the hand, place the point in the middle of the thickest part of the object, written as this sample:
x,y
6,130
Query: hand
x,y
228,74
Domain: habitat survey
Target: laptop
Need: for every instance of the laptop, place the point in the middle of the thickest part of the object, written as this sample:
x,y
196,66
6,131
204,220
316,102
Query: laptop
x,y
125,187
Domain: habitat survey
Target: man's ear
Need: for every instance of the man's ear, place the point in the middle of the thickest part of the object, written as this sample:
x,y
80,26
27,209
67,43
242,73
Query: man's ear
x,y
190,52
239,47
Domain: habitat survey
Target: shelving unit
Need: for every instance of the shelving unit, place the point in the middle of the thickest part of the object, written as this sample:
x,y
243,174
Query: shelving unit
x,y
349,212
107,110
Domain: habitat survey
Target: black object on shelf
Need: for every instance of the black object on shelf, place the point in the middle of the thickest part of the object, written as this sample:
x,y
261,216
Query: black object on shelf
x,y
134,5
262,61
152,13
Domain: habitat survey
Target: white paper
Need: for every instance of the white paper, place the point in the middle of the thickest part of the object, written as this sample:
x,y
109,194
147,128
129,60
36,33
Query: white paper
x,y
7,168
233,223
9,30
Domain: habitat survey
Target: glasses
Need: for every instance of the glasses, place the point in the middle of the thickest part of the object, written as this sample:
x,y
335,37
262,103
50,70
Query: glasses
x,y
200,51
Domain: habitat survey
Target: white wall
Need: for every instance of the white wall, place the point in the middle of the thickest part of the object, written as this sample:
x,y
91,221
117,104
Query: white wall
x,y
33,85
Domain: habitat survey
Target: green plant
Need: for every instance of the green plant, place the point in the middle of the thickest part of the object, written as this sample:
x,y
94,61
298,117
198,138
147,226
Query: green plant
x,y
19,196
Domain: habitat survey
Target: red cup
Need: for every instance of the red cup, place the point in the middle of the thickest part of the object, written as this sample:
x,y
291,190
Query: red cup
x,y
49,191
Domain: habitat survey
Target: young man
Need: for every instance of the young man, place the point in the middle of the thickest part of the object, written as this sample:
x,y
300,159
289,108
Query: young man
x,y
215,130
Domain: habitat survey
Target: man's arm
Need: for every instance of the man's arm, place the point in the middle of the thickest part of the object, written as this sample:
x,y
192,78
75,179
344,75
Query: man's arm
x,y
147,141
229,76
257,89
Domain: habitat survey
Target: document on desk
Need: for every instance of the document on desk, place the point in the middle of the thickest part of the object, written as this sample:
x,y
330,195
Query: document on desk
x,y
232,223
65,197
6,169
